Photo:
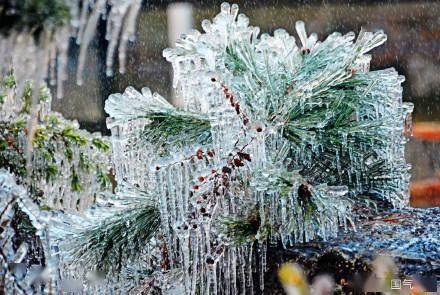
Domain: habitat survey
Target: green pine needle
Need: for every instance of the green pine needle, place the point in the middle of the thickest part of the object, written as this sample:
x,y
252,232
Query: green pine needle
x,y
176,129
242,230
118,238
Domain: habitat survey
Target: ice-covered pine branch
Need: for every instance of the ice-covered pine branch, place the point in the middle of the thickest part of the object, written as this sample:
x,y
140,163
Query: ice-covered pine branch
x,y
166,127
114,233
276,142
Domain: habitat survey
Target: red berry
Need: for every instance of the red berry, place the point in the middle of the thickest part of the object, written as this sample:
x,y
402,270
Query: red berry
x,y
226,170
238,163
199,154
245,156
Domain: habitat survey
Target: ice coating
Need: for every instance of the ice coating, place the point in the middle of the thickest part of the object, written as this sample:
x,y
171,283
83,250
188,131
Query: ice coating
x,y
298,135
17,270
28,203
296,201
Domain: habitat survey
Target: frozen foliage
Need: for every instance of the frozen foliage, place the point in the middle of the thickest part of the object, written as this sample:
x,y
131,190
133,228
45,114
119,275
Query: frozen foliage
x,y
42,58
297,134
274,145
134,140
69,167
22,260
118,227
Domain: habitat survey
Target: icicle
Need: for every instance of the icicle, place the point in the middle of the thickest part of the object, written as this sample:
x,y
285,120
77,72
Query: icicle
x,y
301,31
86,34
114,27
128,32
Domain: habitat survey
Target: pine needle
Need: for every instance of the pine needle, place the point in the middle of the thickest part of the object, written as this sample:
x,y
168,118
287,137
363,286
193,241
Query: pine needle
x,y
242,230
177,129
117,238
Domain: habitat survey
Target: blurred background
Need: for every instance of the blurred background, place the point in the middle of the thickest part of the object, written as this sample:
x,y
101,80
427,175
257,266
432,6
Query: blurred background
x,y
413,48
